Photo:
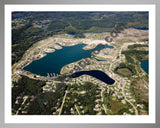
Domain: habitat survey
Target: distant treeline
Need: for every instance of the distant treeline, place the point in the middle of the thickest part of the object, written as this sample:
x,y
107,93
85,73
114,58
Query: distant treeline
x,y
83,21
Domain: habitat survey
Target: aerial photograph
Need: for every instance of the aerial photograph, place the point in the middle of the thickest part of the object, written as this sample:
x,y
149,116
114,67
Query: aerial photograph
x,y
80,63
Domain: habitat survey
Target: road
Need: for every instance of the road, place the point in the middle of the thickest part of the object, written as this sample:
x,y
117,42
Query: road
x,y
77,110
115,60
63,102
21,106
102,90
136,112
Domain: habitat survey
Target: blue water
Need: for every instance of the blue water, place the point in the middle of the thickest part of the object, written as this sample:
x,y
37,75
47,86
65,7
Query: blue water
x,y
142,28
145,65
53,62
72,33
21,15
97,74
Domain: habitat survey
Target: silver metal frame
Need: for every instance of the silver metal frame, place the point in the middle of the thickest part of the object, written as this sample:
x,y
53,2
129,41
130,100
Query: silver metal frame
x,y
3,2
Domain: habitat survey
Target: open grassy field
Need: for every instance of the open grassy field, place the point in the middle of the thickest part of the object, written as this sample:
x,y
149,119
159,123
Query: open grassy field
x,y
124,72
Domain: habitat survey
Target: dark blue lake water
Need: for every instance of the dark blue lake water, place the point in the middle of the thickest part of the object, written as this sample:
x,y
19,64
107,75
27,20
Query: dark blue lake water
x,y
145,65
142,28
53,62
97,74
20,15
72,33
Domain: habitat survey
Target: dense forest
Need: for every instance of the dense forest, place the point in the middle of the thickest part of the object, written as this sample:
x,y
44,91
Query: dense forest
x,y
139,55
24,38
25,86
46,103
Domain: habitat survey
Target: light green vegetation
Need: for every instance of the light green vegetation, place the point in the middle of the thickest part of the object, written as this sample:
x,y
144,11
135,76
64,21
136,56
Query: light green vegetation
x,y
124,72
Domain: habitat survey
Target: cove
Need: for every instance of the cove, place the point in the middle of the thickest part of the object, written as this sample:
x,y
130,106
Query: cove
x,y
145,65
53,62
97,74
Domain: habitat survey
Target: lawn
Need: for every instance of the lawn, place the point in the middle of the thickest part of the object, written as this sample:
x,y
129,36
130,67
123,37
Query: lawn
x,y
124,72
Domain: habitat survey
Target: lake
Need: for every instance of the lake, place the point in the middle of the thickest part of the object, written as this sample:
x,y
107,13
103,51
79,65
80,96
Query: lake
x,y
97,74
20,15
142,28
53,62
145,65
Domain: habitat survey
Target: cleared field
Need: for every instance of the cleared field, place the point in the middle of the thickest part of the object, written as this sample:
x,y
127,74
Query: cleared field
x,y
115,106
124,72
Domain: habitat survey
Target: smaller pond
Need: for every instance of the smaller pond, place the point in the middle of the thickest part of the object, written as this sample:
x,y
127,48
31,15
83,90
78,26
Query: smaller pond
x,y
145,65
142,28
72,33
20,15
97,74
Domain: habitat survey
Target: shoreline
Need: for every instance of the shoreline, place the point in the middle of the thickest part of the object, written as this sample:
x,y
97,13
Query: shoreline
x,y
41,48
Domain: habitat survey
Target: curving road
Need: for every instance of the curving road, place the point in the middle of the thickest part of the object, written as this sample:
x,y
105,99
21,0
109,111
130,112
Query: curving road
x,y
136,111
